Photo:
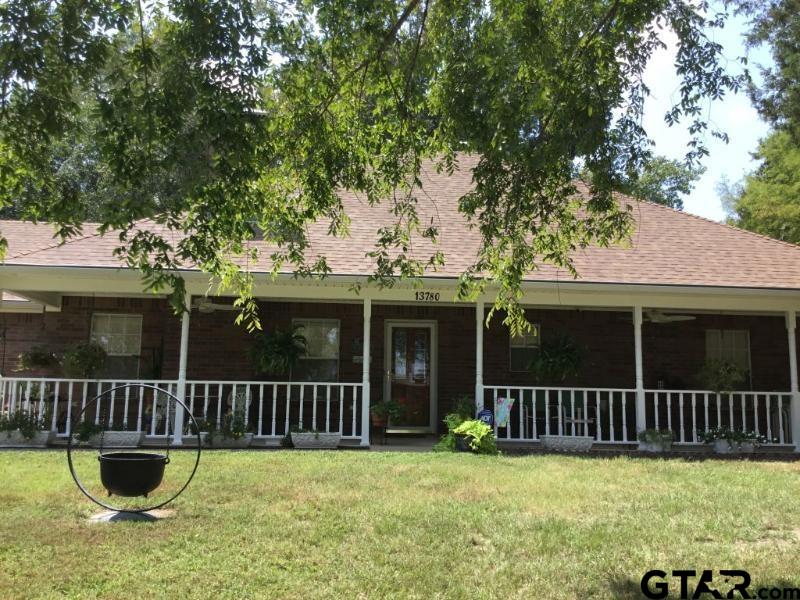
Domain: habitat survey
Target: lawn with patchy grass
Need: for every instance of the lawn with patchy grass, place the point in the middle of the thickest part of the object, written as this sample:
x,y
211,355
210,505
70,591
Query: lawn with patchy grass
x,y
294,524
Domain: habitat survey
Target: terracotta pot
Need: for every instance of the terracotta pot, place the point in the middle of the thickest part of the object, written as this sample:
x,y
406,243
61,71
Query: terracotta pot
x,y
378,420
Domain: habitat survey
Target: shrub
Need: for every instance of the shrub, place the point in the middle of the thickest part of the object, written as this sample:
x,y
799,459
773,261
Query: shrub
x,y
480,436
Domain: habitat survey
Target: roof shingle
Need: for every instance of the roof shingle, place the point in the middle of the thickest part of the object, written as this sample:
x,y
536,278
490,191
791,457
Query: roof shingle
x,y
668,247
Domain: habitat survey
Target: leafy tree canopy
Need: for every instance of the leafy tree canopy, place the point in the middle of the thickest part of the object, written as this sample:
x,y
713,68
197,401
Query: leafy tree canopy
x,y
661,180
776,23
206,117
768,202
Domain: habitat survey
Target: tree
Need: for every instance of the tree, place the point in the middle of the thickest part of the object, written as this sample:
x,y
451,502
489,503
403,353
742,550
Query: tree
x,y
776,23
206,116
768,202
661,180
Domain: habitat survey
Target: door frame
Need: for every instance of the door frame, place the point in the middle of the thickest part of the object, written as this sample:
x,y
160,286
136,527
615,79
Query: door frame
x,y
433,326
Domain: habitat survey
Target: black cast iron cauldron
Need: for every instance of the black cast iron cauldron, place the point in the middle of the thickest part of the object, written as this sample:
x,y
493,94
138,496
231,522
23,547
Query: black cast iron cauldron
x,y
131,473
128,473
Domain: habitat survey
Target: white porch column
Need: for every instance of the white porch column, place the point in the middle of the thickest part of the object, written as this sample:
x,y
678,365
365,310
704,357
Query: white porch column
x,y
641,421
177,440
791,330
365,374
479,319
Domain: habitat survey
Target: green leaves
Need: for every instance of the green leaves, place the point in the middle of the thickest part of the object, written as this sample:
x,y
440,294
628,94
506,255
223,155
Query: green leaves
x,y
208,119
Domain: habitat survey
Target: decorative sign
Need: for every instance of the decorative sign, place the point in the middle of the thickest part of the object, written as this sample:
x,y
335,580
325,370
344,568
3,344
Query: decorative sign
x,y
424,296
486,416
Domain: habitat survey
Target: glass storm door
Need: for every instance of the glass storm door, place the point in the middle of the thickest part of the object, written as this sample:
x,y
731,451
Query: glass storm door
x,y
410,375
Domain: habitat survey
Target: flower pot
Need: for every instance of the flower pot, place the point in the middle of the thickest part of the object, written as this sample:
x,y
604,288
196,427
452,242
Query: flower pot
x,y
316,440
15,439
747,447
118,439
462,443
378,420
722,447
567,443
655,447
223,442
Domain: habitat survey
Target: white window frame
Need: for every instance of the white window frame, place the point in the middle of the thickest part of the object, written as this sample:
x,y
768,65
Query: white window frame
x,y
303,320
525,343
93,335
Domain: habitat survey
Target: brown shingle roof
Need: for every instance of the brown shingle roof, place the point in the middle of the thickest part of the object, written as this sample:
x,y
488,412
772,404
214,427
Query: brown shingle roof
x,y
668,247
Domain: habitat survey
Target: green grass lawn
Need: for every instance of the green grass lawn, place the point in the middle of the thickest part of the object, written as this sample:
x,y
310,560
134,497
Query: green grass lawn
x,y
357,524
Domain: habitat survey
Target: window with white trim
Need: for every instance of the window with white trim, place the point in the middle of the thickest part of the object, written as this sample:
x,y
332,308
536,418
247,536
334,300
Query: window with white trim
x,y
523,349
729,345
120,336
321,362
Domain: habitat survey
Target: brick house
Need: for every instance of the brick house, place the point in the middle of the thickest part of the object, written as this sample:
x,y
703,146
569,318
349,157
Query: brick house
x,y
646,317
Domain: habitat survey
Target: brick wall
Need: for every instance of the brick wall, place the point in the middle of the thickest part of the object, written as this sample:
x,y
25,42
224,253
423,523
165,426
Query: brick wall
x,y
218,349
58,330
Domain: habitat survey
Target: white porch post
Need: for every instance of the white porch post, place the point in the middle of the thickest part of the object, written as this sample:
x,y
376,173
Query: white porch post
x,y
479,309
177,440
641,420
365,374
791,330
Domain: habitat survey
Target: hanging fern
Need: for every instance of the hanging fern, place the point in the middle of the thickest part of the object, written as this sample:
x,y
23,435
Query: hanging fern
x,y
277,353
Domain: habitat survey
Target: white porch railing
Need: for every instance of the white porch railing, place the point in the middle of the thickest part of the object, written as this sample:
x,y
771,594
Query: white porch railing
x,y
688,413
271,409
608,415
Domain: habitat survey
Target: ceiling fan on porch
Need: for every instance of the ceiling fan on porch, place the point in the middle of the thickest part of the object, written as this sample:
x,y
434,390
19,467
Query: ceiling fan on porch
x,y
657,316
204,305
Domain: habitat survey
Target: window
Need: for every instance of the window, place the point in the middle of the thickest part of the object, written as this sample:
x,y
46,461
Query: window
x,y
731,345
321,362
121,337
523,349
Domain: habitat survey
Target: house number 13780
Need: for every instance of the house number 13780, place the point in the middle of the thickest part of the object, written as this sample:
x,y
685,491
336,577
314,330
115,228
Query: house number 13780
x,y
426,296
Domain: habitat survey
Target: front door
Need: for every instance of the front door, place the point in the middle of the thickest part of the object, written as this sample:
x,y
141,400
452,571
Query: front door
x,y
410,373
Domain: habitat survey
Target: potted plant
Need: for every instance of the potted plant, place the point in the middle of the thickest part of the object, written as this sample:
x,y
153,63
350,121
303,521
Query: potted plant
x,y
38,359
467,435
655,440
721,376
381,413
311,439
84,360
475,436
721,439
748,441
277,353
87,432
206,427
558,359
24,429
233,432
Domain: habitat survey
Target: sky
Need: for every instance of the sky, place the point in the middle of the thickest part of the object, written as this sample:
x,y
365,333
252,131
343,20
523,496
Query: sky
x,y
734,115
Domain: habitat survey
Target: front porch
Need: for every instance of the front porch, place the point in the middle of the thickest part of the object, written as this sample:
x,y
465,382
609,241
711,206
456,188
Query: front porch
x,y
446,352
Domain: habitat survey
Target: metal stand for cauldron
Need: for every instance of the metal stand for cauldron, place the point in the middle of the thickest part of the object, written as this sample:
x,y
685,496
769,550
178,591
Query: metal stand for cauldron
x,y
131,474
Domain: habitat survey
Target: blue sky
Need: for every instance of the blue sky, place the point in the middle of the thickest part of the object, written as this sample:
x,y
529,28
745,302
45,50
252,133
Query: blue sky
x,y
734,114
